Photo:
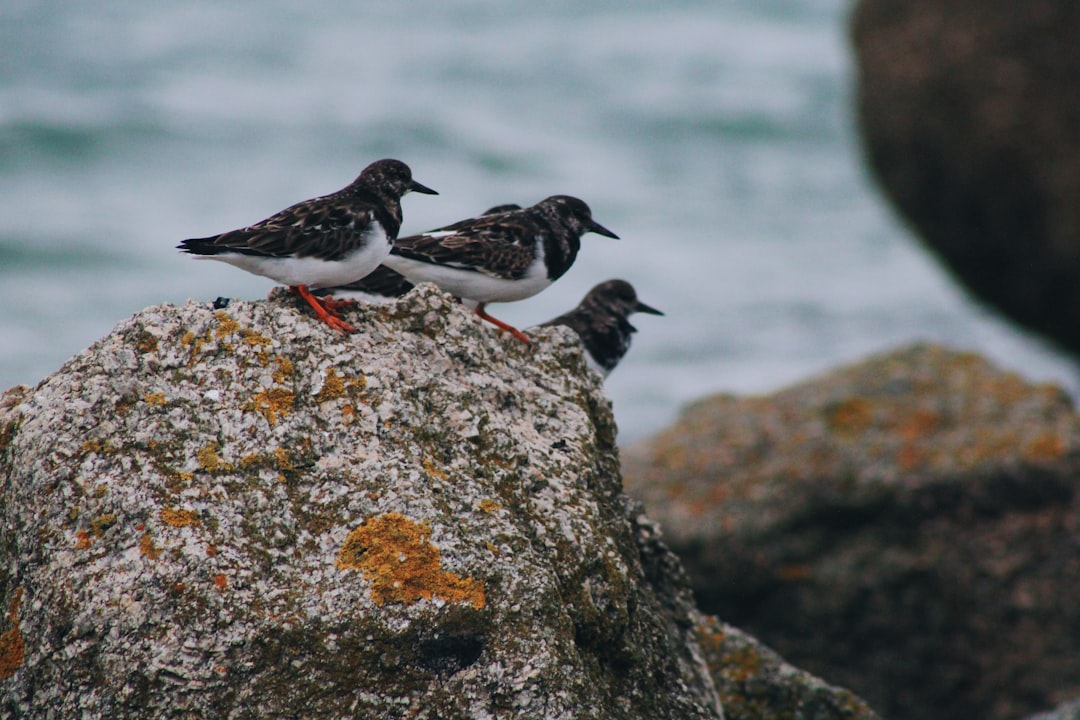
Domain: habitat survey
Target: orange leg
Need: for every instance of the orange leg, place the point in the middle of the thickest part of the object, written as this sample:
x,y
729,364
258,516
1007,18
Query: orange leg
x,y
329,316
500,324
332,304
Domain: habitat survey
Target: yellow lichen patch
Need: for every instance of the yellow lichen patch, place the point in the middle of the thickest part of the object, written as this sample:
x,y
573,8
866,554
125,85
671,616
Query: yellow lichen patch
x,y
403,566
187,338
12,648
285,369
849,417
333,387
1045,447
272,403
97,446
281,457
249,460
918,424
253,338
227,325
147,548
146,343
430,469
157,398
179,518
209,460
488,505
741,665
102,523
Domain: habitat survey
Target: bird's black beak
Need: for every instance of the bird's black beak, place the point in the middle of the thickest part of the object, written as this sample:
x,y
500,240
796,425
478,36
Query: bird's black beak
x,y
600,229
417,187
642,307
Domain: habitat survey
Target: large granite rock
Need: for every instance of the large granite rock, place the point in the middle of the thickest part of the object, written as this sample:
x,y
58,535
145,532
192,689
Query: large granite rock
x,y
908,527
970,116
239,513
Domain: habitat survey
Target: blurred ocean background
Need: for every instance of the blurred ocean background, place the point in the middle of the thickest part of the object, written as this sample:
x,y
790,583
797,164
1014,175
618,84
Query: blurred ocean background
x,y
717,138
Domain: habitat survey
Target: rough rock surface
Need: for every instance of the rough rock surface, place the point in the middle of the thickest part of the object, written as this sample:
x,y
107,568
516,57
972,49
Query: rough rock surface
x,y
1068,711
908,527
239,513
757,684
970,117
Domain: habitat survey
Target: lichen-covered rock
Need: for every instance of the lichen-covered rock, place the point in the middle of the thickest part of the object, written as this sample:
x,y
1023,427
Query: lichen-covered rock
x,y
907,527
757,684
970,115
240,513
1068,711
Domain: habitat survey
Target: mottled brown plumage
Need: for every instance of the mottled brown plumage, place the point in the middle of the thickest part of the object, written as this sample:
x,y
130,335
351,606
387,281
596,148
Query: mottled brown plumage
x,y
600,320
322,242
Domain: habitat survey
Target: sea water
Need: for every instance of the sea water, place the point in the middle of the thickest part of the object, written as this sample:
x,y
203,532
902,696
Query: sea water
x,y
716,138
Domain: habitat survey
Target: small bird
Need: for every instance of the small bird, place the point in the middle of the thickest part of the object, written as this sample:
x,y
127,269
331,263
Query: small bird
x,y
322,242
600,320
383,284
502,257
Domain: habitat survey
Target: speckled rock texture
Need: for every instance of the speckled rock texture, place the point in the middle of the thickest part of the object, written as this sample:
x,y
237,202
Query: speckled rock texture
x,y
239,513
1068,711
757,684
970,116
907,527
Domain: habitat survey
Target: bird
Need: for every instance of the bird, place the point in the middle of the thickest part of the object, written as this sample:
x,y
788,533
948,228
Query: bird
x,y
324,241
503,257
383,284
600,320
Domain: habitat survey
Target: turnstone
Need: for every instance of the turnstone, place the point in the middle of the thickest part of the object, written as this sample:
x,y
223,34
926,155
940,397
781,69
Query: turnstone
x,y
498,258
600,320
322,242
383,284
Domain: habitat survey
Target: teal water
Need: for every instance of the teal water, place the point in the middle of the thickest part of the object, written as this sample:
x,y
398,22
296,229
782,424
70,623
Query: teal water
x,y
716,139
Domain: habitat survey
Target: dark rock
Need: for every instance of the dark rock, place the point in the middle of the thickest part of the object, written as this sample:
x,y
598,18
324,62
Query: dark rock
x,y
970,117
908,527
757,684
1068,711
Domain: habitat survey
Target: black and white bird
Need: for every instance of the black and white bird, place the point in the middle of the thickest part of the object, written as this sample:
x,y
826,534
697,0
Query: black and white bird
x,y
383,284
322,242
601,322
502,257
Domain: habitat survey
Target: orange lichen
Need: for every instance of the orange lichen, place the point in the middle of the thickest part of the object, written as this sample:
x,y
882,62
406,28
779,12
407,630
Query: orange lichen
x,y
852,416
147,342
1045,447
147,548
82,540
255,339
12,648
209,460
333,387
430,469
488,505
918,424
281,458
179,518
97,446
102,523
220,581
911,457
741,665
285,369
403,566
227,325
157,398
272,403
